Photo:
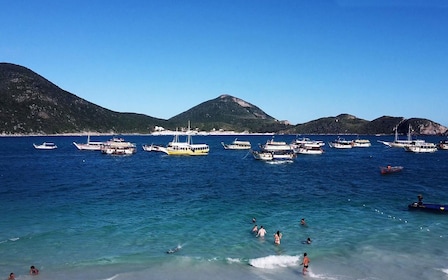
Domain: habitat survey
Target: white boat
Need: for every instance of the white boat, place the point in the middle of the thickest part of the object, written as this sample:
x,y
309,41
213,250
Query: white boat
x,y
307,142
237,145
397,143
152,148
361,143
341,143
187,148
274,156
89,146
46,146
273,146
309,150
443,145
117,146
421,146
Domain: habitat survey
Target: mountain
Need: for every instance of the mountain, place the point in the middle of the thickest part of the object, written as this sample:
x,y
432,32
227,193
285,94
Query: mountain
x,y
229,113
348,124
30,104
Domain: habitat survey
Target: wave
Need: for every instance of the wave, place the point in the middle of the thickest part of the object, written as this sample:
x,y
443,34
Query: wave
x,y
271,262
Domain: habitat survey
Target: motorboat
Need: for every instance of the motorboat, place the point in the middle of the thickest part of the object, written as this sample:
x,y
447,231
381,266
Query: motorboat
x,y
186,148
361,143
274,146
274,156
117,146
390,169
309,150
46,146
89,146
237,145
307,142
341,143
420,146
443,145
152,148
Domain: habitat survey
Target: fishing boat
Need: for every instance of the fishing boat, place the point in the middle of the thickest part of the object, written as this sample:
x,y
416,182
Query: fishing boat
x,y
341,143
186,148
420,146
89,146
117,146
45,146
237,145
390,169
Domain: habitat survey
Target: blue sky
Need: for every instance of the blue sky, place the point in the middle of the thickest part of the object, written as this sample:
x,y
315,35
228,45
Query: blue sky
x,y
297,60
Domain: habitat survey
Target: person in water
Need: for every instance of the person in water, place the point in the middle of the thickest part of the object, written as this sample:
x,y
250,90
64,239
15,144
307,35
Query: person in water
x,y
11,276
308,240
302,222
255,229
420,200
305,263
34,270
261,232
277,237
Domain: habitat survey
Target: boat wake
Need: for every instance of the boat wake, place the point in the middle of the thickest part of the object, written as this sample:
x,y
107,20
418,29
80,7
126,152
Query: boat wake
x,y
271,262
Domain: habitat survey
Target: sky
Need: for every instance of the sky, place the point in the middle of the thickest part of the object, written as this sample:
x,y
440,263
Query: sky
x,y
297,60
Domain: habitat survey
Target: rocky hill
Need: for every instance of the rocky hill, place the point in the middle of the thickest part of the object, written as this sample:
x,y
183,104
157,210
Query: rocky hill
x,y
30,104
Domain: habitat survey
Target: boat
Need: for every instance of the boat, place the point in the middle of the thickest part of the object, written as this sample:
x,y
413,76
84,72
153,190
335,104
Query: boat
x,y
420,146
274,156
117,146
186,148
306,150
443,145
89,146
274,146
390,169
397,143
341,143
46,146
361,143
152,148
237,145
429,207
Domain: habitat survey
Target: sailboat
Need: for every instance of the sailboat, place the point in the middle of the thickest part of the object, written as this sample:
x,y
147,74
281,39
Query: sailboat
x,y
89,146
187,148
397,143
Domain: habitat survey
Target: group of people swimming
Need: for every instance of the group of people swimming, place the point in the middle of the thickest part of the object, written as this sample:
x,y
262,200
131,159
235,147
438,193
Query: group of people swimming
x,y
33,271
261,232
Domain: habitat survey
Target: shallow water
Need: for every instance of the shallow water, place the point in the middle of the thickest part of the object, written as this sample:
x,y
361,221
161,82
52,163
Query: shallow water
x,y
83,215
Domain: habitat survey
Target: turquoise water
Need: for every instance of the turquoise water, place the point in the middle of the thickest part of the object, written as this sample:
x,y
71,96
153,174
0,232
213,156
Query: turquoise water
x,y
83,215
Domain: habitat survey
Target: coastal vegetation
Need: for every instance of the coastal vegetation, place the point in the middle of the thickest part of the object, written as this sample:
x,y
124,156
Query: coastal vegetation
x,y
30,104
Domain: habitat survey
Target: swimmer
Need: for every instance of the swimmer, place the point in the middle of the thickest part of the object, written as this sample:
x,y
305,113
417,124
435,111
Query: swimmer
x,y
255,229
261,232
33,270
277,237
302,222
308,240
254,220
12,276
305,263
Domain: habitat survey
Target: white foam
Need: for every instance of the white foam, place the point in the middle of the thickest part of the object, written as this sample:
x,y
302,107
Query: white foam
x,y
111,278
271,262
14,239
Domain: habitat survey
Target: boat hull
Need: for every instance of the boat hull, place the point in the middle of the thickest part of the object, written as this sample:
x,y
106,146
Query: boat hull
x,y
429,207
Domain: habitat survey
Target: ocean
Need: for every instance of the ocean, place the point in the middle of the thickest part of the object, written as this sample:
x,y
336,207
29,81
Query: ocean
x,y
84,215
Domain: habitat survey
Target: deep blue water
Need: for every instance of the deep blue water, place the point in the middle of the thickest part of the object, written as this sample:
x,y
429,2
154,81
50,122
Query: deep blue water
x,y
84,215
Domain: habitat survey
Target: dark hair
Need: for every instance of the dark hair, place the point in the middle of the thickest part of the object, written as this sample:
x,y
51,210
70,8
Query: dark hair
x,y
304,254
